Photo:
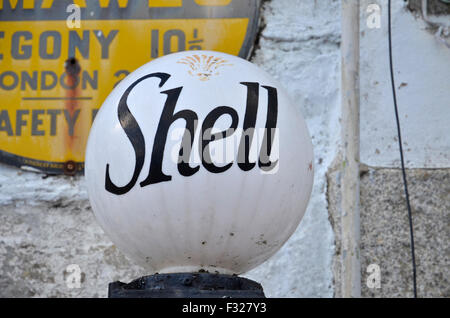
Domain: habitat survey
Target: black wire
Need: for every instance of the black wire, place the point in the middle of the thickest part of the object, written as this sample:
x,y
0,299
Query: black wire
x,y
411,232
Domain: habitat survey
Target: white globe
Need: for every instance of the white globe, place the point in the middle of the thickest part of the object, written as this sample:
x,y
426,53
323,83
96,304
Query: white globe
x,y
227,201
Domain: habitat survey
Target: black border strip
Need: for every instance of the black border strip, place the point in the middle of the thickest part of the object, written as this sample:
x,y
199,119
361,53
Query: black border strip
x,y
47,167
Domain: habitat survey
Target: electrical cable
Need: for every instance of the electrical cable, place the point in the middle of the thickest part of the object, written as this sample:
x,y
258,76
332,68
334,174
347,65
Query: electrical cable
x,y
408,205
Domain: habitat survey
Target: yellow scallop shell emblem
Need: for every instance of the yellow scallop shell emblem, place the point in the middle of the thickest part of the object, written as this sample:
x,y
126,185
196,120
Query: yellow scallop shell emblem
x,y
203,66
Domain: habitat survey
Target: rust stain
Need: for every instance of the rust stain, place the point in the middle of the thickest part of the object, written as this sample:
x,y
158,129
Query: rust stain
x,y
73,69
402,85
70,168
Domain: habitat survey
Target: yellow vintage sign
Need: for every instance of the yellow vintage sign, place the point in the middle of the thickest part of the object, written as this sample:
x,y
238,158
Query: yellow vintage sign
x,y
59,60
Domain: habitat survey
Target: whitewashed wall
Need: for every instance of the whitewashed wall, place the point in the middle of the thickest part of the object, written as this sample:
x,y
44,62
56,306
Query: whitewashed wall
x,y
300,47
422,76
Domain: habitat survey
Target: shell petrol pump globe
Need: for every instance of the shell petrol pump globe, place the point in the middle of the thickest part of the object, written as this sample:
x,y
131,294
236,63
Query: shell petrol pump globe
x,y
199,161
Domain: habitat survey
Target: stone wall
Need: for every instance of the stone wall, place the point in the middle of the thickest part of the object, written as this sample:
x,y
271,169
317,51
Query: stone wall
x,y
385,239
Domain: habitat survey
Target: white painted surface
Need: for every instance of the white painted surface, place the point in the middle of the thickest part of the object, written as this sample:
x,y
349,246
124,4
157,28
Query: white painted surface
x,y
422,78
350,284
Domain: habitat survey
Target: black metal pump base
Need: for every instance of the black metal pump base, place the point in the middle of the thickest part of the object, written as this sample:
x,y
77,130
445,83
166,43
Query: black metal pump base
x,y
187,285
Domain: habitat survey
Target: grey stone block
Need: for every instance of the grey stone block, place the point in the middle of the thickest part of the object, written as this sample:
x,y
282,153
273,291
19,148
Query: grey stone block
x,y
385,239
